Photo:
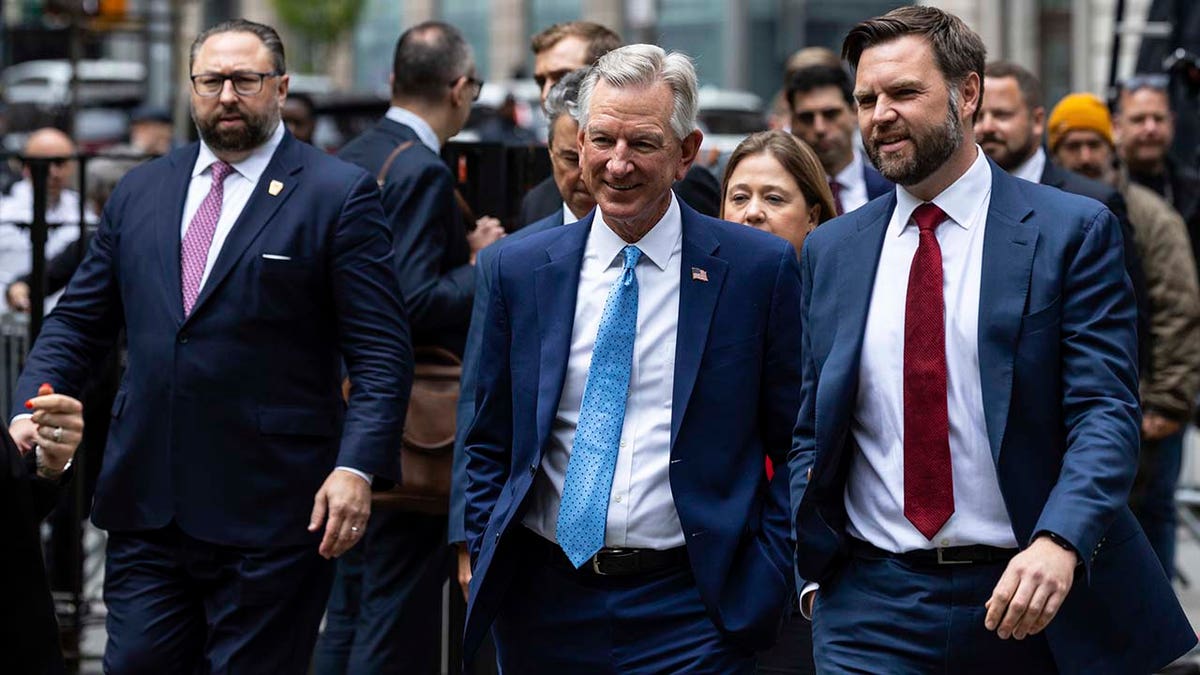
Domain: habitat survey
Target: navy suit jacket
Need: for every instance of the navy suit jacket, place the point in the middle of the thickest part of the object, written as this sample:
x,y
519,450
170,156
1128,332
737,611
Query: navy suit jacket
x,y
698,189
1057,356
877,185
432,256
485,269
737,388
228,421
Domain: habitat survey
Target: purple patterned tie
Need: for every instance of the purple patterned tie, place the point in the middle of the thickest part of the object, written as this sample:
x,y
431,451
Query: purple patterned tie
x,y
198,238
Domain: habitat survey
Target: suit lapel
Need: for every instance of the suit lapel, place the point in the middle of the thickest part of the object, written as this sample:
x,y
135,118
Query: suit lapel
x,y
697,301
170,216
857,263
556,285
285,167
1008,248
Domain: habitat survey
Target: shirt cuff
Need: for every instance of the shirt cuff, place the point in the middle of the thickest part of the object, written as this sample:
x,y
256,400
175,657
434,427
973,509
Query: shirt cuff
x,y
22,416
809,588
361,474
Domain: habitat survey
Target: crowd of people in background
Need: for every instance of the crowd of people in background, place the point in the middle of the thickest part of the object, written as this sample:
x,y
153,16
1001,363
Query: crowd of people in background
x,y
680,445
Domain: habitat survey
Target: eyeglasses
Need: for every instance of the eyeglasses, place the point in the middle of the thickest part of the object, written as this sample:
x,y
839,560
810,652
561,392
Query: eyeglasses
x,y
1155,81
477,83
245,82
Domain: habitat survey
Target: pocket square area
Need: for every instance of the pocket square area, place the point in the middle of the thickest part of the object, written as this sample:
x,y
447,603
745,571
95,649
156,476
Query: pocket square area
x,y
273,256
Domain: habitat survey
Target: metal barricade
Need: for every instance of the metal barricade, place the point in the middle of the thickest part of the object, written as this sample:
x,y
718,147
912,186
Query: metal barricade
x,y
14,345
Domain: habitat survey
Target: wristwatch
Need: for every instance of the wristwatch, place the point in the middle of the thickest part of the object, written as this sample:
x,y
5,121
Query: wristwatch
x,y
46,472
1061,541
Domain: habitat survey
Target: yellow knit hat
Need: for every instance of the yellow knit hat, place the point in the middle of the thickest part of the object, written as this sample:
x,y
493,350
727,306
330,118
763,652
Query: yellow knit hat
x,y
1079,111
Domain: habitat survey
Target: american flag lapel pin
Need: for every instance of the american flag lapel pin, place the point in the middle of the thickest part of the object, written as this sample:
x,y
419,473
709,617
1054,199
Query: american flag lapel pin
x,y
275,188
699,274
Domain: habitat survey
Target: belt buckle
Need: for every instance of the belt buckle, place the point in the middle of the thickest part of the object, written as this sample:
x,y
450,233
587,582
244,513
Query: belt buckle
x,y
609,554
943,561
596,566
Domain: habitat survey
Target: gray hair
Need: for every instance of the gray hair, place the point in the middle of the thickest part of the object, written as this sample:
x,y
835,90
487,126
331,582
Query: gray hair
x,y
643,66
563,98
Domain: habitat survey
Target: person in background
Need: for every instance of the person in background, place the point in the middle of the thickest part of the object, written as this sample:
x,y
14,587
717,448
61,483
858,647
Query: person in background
x,y
300,116
565,47
774,182
382,616
62,205
151,131
823,117
1081,139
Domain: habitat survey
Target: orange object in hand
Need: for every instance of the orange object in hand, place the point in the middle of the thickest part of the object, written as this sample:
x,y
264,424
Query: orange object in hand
x,y
45,389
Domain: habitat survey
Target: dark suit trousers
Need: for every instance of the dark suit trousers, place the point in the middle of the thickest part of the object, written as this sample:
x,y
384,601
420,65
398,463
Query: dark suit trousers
x,y
555,620
180,605
385,612
884,616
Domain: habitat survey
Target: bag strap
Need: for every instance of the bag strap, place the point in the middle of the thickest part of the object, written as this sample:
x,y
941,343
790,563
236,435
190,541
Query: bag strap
x,y
381,178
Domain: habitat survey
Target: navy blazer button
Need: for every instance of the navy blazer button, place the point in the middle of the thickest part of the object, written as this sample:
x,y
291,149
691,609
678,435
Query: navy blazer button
x,y
532,469
183,339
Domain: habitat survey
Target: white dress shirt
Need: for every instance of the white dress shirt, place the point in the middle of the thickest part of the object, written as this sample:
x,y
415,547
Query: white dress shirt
x,y
239,185
1032,168
875,485
415,122
854,184
568,215
641,510
16,210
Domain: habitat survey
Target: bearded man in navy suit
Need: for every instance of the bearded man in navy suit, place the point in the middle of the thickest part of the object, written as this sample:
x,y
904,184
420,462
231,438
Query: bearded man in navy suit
x,y
245,269
969,423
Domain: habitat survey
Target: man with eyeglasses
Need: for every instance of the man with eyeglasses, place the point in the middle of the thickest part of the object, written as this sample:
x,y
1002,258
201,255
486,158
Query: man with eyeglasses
x,y
383,614
245,269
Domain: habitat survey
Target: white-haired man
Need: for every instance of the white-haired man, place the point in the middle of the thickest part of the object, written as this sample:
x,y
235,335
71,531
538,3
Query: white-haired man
x,y
636,368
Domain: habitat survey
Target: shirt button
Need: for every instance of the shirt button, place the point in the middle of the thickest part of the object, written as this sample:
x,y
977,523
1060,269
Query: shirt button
x,y
622,443
617,499
945,542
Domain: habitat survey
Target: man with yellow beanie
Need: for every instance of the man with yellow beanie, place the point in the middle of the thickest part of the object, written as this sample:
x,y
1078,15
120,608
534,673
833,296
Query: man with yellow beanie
x,y
1081,138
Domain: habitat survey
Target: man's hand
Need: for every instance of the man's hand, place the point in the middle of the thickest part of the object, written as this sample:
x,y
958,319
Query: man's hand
x,y
487,230
17,296
1155,427
464,570
346,499
1031,590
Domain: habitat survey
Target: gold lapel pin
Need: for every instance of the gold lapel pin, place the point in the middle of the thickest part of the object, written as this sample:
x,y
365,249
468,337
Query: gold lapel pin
x,y
275,188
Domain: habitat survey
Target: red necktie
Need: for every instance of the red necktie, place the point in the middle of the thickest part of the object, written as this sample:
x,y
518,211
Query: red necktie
x,y
836,188
928,481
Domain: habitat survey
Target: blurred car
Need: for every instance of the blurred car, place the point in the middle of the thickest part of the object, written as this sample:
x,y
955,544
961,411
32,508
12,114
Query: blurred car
x,y
527,109
726,117
48,82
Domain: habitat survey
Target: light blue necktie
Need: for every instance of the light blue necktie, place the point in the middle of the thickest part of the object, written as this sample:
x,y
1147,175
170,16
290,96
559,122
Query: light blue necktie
x,y
583,513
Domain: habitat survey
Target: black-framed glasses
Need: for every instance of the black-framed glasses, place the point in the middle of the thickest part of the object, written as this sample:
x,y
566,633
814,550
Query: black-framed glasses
x,y
245,82
473,81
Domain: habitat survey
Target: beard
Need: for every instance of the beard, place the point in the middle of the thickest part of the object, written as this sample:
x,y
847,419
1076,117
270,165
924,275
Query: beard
x,y
931,149
254,132
1005,157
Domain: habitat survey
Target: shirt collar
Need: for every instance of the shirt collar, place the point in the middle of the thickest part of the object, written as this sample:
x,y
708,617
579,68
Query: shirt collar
x,y
1032,168
410,119
852,174
250,168
960,202
568,216
657,244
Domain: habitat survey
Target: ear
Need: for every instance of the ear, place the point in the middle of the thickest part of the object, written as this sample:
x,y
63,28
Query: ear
x,y
284,82
458,95
814,216
971,91
689,149
1038,115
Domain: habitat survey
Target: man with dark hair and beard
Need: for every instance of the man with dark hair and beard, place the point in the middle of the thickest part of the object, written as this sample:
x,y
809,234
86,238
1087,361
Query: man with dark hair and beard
x,y
246,269
968,427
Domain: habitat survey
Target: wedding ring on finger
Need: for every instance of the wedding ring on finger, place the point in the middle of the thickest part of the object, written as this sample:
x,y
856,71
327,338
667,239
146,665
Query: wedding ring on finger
x,y
354,529
58,434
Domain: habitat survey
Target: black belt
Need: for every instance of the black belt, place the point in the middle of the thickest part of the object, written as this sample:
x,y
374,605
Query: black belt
x,y
622,562
974,554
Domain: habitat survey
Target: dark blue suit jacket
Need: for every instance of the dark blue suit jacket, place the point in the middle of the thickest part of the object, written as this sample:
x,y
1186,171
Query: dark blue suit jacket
x,y
877,185
737,388
430,239
228,421
1058,360
485,270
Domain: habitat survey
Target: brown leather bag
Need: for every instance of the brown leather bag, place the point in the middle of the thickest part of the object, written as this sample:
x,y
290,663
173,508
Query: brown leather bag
x,y
427,449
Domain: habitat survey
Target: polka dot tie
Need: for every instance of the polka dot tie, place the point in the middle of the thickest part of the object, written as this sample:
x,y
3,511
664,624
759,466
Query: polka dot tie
x,y
583,512
198,238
